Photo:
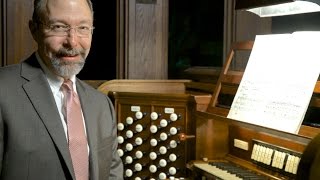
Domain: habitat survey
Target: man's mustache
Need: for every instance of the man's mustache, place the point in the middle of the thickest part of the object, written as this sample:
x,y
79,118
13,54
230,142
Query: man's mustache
x,y
68,52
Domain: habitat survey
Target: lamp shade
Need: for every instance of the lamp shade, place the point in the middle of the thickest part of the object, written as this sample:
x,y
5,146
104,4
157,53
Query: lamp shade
x,y
267,8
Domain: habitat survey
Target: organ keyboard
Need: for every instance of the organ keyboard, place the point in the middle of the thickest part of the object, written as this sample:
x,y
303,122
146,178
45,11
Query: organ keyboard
x,y
267,153
229,171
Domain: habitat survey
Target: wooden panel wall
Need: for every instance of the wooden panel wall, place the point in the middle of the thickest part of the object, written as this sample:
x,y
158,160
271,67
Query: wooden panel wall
x,y
146,40
18,42
1,32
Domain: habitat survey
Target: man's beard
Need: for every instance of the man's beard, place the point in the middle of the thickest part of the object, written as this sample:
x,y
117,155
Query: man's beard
x,y
67,69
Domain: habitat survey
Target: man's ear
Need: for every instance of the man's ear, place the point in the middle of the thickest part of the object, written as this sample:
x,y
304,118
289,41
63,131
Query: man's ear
x,y
33,27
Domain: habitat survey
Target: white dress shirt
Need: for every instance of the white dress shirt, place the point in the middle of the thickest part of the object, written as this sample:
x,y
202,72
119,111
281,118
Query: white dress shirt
x,y
55,83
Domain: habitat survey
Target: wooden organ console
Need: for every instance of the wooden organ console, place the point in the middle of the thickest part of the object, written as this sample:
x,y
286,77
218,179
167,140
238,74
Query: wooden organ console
x,y
266,153
230,149
177,129
150,131
156,130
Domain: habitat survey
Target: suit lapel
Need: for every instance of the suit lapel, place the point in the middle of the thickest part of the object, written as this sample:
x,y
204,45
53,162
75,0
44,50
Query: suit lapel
x,y
38,91
91,124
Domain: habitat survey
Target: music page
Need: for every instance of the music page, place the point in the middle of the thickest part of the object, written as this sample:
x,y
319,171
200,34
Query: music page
x,y
278,81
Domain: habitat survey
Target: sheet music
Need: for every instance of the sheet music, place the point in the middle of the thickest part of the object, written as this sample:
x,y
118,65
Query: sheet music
x,y
278,82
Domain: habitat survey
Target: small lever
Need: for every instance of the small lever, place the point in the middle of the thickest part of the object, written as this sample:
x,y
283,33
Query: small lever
x,y
183,136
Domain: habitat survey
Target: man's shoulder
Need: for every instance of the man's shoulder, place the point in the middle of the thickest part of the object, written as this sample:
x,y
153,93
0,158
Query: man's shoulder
x,y
90,89
95,95
10,71
9,68
16,68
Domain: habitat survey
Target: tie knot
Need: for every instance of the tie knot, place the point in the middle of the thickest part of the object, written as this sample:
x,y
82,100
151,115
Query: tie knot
x,y
67,85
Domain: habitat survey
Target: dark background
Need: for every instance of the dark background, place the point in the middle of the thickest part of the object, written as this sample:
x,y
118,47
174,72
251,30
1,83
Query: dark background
x,y
195,34
101,61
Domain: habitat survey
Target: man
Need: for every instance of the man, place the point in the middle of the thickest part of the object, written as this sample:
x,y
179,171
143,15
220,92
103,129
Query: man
x,y
39,129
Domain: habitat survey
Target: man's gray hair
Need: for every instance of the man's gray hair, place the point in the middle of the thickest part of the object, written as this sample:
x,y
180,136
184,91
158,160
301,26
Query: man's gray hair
x,y
39,7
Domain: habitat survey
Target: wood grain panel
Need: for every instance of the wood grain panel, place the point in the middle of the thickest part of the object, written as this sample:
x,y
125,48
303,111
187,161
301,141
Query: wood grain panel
x,y
147,40
19,42
2,37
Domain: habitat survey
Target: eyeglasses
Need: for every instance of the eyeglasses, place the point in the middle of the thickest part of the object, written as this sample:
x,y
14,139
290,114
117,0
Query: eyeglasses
x,y
63,30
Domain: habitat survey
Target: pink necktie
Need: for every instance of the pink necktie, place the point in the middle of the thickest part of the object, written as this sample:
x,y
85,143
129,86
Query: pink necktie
x,y
76,134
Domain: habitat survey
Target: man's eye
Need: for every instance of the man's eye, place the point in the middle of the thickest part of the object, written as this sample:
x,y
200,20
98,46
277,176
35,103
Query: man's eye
x,y
85,28
59,27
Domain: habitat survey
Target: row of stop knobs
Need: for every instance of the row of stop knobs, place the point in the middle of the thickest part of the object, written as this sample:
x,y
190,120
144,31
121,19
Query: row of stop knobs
x,y
154,116
131,128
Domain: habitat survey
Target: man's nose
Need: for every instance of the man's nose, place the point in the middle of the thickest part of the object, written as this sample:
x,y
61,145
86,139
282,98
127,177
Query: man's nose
x,y
72,37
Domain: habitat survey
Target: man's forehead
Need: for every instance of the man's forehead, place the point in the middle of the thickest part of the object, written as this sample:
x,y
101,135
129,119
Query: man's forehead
x,y
68,9
70,5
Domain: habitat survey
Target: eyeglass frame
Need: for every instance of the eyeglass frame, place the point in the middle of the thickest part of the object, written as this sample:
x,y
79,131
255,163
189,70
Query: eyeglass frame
x,y
51,28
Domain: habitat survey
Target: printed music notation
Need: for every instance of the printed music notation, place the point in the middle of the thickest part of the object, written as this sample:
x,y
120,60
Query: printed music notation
x,y
278,82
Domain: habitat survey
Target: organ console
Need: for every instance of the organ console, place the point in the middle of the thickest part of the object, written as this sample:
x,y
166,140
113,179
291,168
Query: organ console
x,y
265,153
163,135
237,150
149,129
170,129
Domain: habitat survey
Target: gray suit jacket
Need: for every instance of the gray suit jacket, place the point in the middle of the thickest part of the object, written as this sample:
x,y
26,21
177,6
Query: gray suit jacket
x,y
32,140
